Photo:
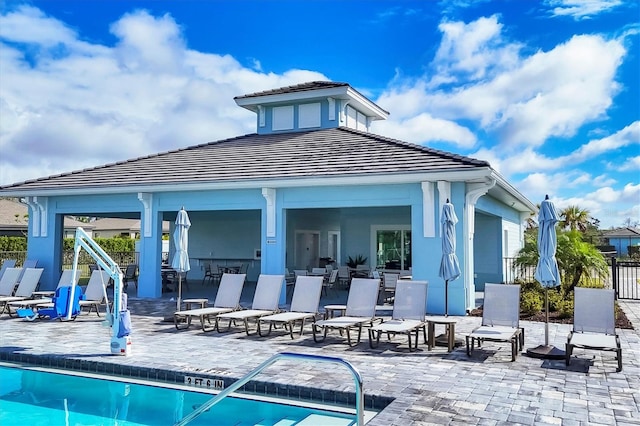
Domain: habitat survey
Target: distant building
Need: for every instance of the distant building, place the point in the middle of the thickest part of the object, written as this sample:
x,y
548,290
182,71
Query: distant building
x,y
109,227
622,238
14,220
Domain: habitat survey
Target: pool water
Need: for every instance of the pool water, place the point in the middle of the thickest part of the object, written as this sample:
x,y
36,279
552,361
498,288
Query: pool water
x,y
34,397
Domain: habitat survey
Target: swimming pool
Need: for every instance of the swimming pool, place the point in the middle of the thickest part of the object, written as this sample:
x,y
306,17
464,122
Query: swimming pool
x,y
37,397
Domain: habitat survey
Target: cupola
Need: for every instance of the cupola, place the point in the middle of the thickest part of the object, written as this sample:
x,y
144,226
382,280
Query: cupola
x,y
311,106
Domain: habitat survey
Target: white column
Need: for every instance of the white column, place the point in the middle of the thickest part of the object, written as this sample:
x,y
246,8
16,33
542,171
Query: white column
x,y
428,217
270,195
474,192
146,199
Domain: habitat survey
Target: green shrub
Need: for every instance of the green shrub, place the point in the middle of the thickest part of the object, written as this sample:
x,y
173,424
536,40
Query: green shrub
x,y
530,302
531,286
13,243
555,300
565,309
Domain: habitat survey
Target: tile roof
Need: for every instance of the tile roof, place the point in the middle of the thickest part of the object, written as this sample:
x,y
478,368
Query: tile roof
x,y
623,232
303,87
15,215
338,152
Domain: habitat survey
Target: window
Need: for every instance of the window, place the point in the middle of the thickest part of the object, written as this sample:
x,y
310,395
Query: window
x,y
283,118
393,247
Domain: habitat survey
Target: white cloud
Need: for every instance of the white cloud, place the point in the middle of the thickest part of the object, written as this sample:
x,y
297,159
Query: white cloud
x,y
580,9
632,164
424,128
521,101
474,48
630,135
78,104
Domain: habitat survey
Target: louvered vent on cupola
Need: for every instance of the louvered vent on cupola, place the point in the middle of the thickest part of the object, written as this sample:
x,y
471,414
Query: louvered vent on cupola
x,y
311,106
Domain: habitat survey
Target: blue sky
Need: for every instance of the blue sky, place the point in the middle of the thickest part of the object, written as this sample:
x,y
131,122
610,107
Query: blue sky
x,y
547,91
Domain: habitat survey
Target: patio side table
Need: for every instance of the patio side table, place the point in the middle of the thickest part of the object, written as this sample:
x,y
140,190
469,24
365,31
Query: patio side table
x,y
449,329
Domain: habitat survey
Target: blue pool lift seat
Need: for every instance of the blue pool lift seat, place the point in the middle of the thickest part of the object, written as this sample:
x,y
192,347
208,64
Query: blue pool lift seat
x,y
60,306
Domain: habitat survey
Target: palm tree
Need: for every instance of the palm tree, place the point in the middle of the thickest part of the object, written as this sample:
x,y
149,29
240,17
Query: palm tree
x,y
579,262
575,218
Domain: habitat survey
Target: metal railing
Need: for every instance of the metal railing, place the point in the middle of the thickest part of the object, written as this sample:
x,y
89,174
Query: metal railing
x,y
302,357
626,278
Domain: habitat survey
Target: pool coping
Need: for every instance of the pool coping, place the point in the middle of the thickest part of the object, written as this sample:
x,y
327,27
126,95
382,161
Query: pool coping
x,y
339,399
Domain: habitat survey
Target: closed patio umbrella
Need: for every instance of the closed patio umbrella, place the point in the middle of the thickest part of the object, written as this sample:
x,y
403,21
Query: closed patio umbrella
x,y
180,261
449,265
547,272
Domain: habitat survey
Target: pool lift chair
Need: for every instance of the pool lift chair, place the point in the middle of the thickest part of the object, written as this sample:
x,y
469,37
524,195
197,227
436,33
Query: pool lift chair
x,y
59,310
117,317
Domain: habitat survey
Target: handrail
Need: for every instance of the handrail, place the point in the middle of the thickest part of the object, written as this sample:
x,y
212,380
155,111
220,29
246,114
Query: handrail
x,y
304,357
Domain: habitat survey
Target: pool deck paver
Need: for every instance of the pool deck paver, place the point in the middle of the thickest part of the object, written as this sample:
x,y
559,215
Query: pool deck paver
x,y
428,387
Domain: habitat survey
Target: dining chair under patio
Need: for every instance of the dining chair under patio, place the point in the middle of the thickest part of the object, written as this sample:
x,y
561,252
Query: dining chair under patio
x,y
227,300
265,302
360,311
304,306
408,314
594,323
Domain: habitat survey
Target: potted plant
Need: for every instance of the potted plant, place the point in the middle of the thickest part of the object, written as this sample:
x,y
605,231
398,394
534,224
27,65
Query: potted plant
x,y
354,262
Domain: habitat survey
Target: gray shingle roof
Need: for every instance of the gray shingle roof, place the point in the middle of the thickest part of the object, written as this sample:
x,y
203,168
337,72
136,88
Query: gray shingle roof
x,y
339,152
303,87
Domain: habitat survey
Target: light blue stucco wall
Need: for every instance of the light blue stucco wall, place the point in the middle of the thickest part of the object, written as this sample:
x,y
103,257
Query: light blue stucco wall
x,y
488,239
231,224
325,123
622,244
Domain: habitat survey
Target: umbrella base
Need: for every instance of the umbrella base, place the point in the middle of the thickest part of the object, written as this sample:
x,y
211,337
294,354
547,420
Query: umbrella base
x,y
546,352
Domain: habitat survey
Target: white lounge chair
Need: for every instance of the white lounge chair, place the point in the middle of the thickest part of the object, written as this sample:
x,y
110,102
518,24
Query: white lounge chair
x,y
26,287
265,302
500,318
594,323
304,306
408,314
8,263
95,293
227,300
9,281
45,296
361,308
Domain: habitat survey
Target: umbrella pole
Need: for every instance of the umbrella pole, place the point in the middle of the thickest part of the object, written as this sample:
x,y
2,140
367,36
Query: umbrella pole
x,y
546,351
546,317
179,290
446,298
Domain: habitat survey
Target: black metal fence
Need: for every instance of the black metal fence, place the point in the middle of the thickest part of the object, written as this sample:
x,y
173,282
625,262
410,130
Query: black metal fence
x,y
625,277
84,259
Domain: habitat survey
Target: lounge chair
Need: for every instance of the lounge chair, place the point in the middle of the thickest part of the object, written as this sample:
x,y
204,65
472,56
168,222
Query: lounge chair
x,y
8,263
94,294
408,314
594,323
500,318
9,281
265,302
227,300
45,296
28,284
361,308
304,306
